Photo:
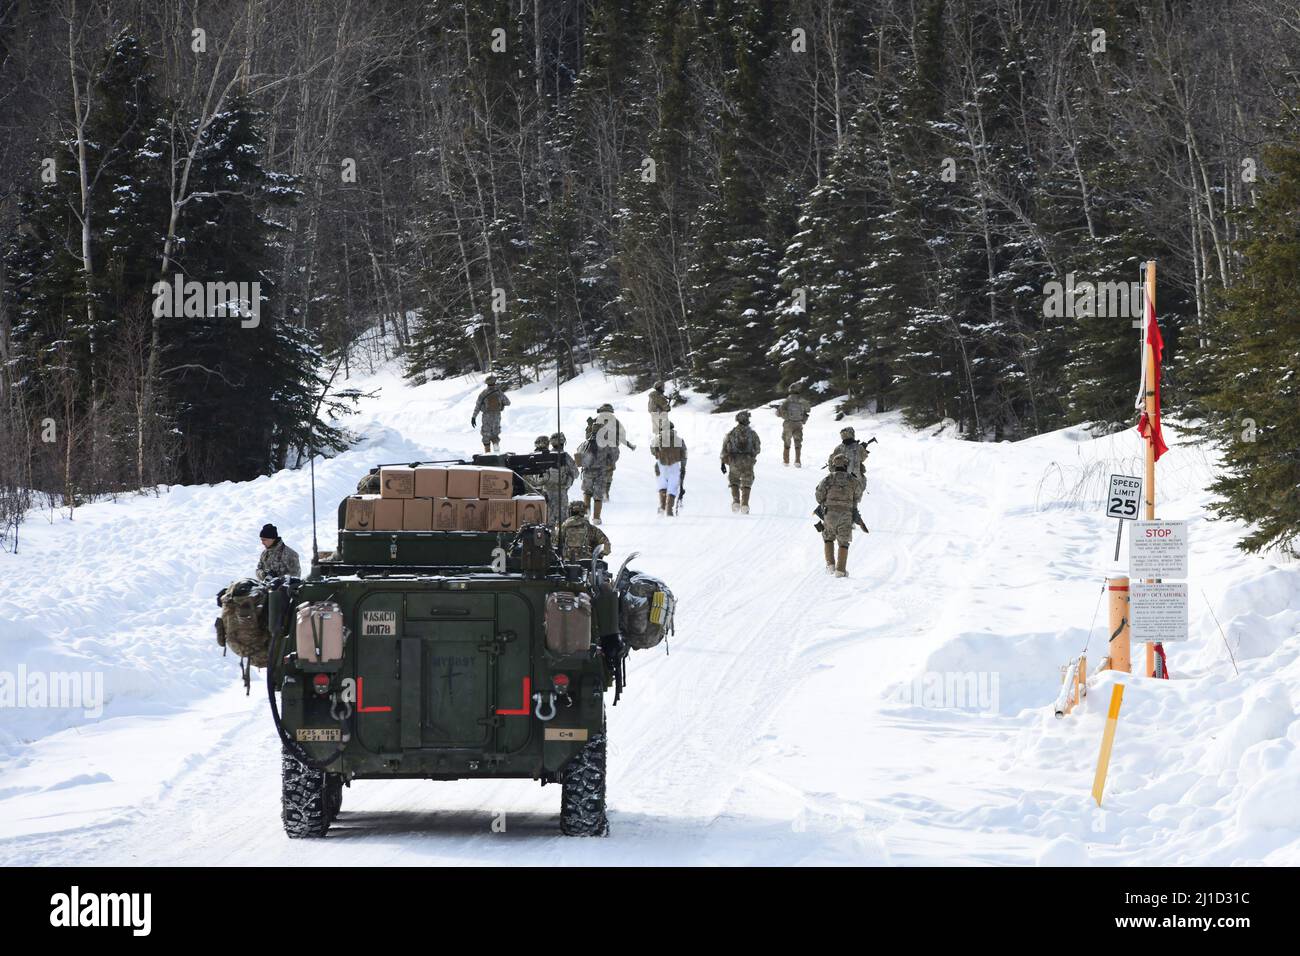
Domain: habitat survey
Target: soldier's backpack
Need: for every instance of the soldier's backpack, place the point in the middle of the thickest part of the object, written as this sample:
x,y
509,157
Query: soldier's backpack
x,y
669,454
645,611
492,401
568,622
741,442
318,632
242,626
586,455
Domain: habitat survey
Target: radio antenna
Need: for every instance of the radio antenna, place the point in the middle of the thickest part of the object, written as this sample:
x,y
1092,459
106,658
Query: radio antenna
x,y
315,551
559,461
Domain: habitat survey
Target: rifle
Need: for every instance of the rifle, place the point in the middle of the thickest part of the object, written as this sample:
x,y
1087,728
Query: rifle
x,y
857,520
865,445
820,512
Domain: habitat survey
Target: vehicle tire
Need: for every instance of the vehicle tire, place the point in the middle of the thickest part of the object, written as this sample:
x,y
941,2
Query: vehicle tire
x,y
303,804
582,806
333,795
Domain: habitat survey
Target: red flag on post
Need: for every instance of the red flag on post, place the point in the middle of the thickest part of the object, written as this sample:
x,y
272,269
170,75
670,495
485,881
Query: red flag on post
x,y
1148,426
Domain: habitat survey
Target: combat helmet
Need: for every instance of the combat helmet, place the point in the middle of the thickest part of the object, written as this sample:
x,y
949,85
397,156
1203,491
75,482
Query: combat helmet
x,y
659,386
742,417
847,433
839,461
607,407
490,380
557,440
541,443
795,387
577,507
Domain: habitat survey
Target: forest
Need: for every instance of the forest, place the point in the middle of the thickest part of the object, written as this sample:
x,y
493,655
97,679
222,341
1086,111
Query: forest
x,y
879,200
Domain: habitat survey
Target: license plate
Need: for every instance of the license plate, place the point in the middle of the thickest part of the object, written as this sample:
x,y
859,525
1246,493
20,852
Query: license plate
x,y
318,734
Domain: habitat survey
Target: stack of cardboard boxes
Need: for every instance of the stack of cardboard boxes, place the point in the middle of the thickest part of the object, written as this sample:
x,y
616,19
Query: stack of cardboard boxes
x,y
444,498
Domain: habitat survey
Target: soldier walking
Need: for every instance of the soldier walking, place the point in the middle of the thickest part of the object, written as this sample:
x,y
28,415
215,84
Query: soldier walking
x,y
277,559
558,478
579,539
659,408
598,457
740,450
856,453
838,494
491,401
670,466
793,412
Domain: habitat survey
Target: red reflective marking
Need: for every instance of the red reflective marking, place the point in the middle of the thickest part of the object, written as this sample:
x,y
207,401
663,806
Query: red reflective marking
x,y
362,708
523,710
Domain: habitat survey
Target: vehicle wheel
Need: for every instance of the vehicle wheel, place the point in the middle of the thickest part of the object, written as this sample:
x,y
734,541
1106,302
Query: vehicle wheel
x,y
582,806
302,798
333,795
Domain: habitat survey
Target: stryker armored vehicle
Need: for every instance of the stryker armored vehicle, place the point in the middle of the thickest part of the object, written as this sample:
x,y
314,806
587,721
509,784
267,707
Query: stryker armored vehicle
x,y
449,655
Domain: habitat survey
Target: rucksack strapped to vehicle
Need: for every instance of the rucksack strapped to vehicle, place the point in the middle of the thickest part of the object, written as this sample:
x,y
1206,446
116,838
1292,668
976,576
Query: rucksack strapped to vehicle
x,y
242,627
645,611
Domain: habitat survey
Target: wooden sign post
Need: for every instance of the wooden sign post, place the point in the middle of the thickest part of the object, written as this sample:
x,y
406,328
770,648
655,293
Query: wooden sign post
x,y
1120,650
1149,406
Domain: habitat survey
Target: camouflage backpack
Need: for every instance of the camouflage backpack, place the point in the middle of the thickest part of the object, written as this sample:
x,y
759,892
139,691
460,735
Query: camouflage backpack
x,y
645,611
741,441
242,626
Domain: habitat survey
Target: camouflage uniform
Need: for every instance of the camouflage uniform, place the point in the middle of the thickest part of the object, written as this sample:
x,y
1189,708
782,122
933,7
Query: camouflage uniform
x,y
659,409
740,449
856,453
670,466
564,473
599,456
279,560
579,539
491,401
597,473
793,412
658,400
369,484
838,494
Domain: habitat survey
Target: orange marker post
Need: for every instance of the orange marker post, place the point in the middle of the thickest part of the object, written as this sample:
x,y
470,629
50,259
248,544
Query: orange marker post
x,y
1120,647
1107,742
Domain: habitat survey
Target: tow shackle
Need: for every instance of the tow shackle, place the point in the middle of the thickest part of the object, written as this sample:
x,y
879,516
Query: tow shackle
x,y
549,699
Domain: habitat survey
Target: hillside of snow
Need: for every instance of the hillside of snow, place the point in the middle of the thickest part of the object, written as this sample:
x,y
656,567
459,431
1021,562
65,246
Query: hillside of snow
x,y
798,718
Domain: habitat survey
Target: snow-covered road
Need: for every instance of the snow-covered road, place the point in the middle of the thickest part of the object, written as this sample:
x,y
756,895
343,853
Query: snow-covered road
x,y
798,719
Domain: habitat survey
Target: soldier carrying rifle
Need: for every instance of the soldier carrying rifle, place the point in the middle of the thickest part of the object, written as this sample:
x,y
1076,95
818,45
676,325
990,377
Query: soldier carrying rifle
x,y
837,498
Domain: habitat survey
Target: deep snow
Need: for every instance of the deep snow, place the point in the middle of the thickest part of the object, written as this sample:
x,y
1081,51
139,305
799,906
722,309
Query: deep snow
x,y
798,718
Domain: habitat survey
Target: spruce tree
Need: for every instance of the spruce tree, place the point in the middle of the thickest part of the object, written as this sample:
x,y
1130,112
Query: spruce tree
x,y
1254,409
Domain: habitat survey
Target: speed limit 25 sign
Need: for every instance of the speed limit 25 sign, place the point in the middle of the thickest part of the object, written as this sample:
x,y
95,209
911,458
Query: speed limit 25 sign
x,y
1125,493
